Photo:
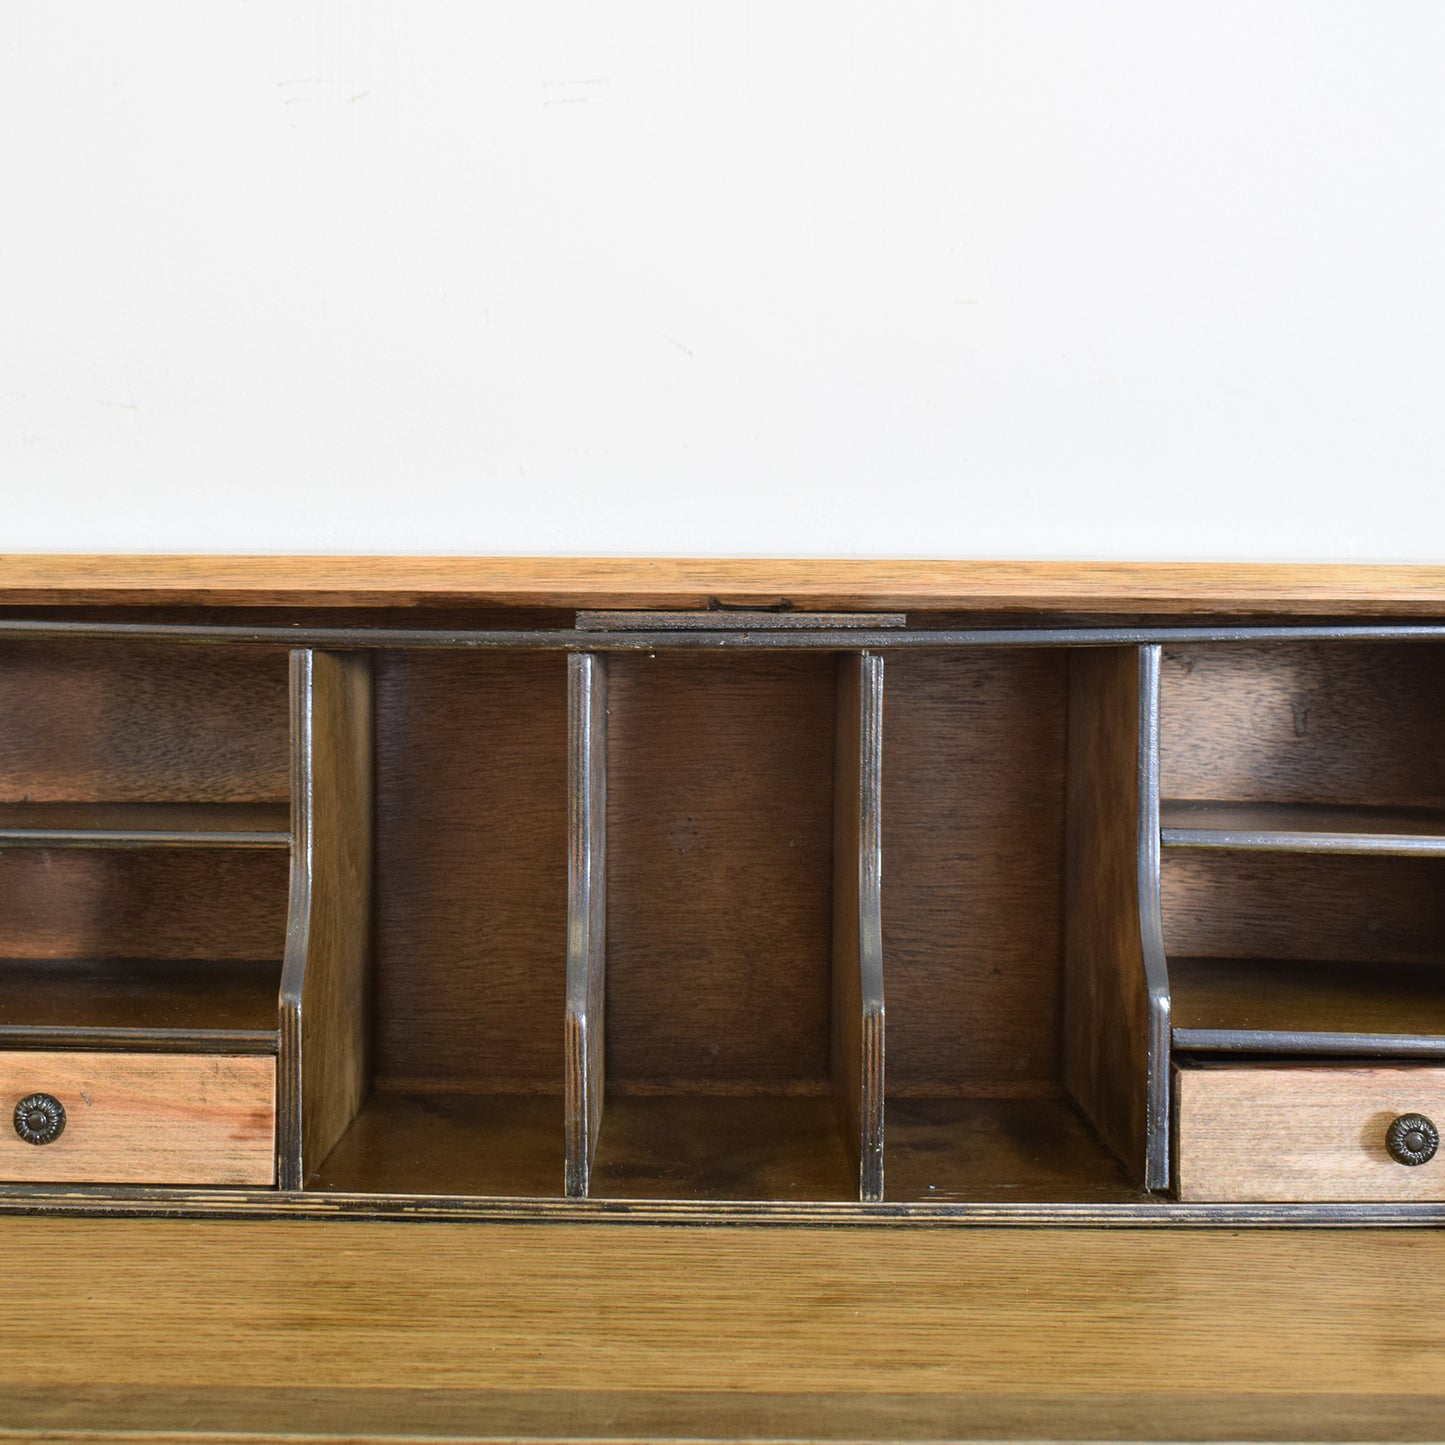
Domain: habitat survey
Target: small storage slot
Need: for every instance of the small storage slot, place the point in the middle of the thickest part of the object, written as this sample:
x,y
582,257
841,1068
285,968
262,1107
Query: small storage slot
x,y
974,788
470,936
1321,954
719,958
85,722
1261,1133
1295,738
107,1118
162,948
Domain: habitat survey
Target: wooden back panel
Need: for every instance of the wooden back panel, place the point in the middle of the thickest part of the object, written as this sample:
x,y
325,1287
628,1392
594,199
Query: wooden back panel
x,y
471,870
720,858
973,853
120,721
1304,722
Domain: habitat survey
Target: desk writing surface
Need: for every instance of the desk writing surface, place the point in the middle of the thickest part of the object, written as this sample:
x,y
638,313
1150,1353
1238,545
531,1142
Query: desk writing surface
x,y
152,1328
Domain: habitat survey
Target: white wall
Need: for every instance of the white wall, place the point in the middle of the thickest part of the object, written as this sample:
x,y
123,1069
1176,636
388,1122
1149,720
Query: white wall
x,y
1005,277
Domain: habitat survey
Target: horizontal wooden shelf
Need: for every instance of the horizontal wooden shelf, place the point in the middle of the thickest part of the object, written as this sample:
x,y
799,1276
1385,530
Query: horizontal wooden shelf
x,y
1022,1150
1302,828
145,825
1290,1006
155,1004
416,1142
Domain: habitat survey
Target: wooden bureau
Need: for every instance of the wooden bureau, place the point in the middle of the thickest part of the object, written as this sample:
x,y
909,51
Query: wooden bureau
x,y
719,891
479,980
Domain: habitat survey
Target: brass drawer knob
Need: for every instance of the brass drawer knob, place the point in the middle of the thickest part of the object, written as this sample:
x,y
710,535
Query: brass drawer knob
x,y
1412,1139
40,1119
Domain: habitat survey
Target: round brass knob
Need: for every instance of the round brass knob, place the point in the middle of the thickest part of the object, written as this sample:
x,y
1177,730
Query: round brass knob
x,y
1412,1139
40,1119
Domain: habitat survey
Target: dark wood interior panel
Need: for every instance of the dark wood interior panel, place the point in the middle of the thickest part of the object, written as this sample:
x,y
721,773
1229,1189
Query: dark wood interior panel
x,y
1281,905
152,903
719,886
973,849
125,722
758,1146
1304,722
471,871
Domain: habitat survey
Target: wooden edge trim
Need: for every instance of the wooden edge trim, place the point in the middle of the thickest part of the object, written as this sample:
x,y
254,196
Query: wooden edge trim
x,y
289,1167
836,584
586,915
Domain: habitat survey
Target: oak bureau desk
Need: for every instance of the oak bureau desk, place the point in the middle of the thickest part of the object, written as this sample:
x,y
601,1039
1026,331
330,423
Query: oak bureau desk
x,y
895,896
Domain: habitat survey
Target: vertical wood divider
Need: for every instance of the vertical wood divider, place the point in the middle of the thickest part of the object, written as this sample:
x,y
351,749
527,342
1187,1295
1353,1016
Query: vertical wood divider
x,y
858,1033
1116,990
323,1071
586,914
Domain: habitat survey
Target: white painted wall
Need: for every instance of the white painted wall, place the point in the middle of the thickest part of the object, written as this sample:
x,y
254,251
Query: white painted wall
x,y
995,277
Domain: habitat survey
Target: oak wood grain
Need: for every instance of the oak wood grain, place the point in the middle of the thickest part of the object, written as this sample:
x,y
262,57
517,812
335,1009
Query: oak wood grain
x,y
973,848
471,873
1304,722
144,1118
1115,1021
719,880
1163,588
1301,1132
324,1067
715,1333
127,722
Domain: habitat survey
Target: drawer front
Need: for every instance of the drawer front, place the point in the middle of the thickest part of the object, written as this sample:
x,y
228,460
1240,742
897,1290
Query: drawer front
x,y
139,1119
1262,1133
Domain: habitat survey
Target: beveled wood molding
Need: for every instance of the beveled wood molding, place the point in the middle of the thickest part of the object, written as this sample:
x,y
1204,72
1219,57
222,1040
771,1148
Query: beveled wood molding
x,y
1105,588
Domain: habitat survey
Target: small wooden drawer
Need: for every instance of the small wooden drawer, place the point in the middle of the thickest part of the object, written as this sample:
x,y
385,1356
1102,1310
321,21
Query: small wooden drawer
x,y
1258,1133
137,1118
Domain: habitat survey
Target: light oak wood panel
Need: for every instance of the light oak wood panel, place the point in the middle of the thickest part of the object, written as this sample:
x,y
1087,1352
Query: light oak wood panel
x,y
1279,905
1304,722
130,722
672,582
858,1012
715,1333
144,1118
1297,1133
152,903
324,1067
973,845
471,870
1116,1002
719,878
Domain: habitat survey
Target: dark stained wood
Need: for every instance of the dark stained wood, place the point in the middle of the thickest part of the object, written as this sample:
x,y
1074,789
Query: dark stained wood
x,y
973,850
1303,827
468,1144
747,1146
145,825
1034,1149
1128,588
719,879
150,903
1287,1006
205,1005
586,914
471,870
1304,723
858,1018
126,722
325,1068
1116,1040
1280,905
